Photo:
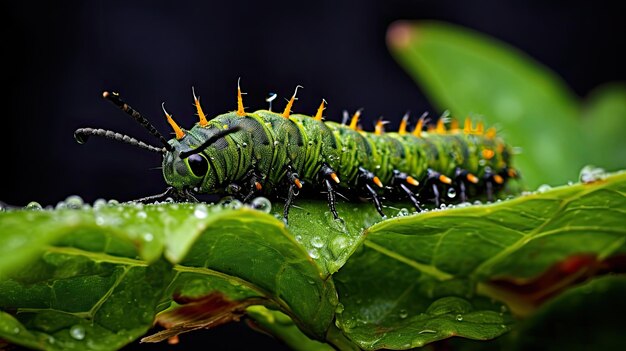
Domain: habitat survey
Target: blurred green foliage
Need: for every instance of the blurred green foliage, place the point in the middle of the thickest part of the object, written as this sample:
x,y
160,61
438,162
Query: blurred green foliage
x,y
471,74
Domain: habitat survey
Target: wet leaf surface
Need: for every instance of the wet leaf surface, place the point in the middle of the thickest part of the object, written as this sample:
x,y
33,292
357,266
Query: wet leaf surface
x,y
98,277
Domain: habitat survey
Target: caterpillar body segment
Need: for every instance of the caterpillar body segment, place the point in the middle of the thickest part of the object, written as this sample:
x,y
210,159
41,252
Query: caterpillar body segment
x,y
274,148
263,152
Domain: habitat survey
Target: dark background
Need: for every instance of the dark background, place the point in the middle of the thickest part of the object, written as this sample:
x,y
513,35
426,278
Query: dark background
x,y
62,55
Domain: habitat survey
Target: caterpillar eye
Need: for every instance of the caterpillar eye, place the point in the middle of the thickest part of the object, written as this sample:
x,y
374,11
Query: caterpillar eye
x,y
198,165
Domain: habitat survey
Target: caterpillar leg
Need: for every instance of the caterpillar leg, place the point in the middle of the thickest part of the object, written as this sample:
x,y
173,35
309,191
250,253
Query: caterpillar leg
x,y
328,174
434,179
177,195
403,181
367,179
461,176
491,179
294,185
253,183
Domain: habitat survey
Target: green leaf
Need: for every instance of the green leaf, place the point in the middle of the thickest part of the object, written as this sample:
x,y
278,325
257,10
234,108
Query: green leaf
x,y
427,277
109,270
97,278
472,74
281,326
604,120
330,242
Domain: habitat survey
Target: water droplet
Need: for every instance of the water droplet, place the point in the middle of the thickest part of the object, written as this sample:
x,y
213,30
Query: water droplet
x,y
262,204
459,317
77,332
276,142
16,330
142,215
113,202
442,206
317,242
427,331
100,220
543,188
148,237
201,211
298,237
477,202
33,206
590,174
482,162
230,202
452,193
99,203
244,144
74,202
339,308
338,244
314,254
403,314
403,212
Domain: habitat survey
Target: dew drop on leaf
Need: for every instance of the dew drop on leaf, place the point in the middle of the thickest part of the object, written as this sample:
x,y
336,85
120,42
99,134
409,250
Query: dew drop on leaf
x,y
77,332
452,193
590,174
99,203
314,254
403,212
317,242
262,204
403,314
338,244
74,202
427,331
142,215
459,317
543,188
201,211
33,206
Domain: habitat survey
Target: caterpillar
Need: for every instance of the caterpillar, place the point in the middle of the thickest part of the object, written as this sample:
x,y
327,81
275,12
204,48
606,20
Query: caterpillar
x,y
243,154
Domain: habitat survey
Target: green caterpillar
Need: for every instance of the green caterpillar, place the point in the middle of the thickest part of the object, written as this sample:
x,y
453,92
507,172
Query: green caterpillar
x,y
264,152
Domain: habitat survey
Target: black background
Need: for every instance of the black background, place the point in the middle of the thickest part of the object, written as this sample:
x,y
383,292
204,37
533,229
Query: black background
x,y
61,55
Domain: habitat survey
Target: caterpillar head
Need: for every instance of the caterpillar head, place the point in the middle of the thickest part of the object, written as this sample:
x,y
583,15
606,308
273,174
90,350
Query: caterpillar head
x,y
191,171
187,164
185,159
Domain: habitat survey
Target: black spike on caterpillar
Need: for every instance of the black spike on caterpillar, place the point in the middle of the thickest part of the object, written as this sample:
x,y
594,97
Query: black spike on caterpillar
x,y
263,152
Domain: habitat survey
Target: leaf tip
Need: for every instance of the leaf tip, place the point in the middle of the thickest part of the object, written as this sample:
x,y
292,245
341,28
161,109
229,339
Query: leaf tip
x,y
400,34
